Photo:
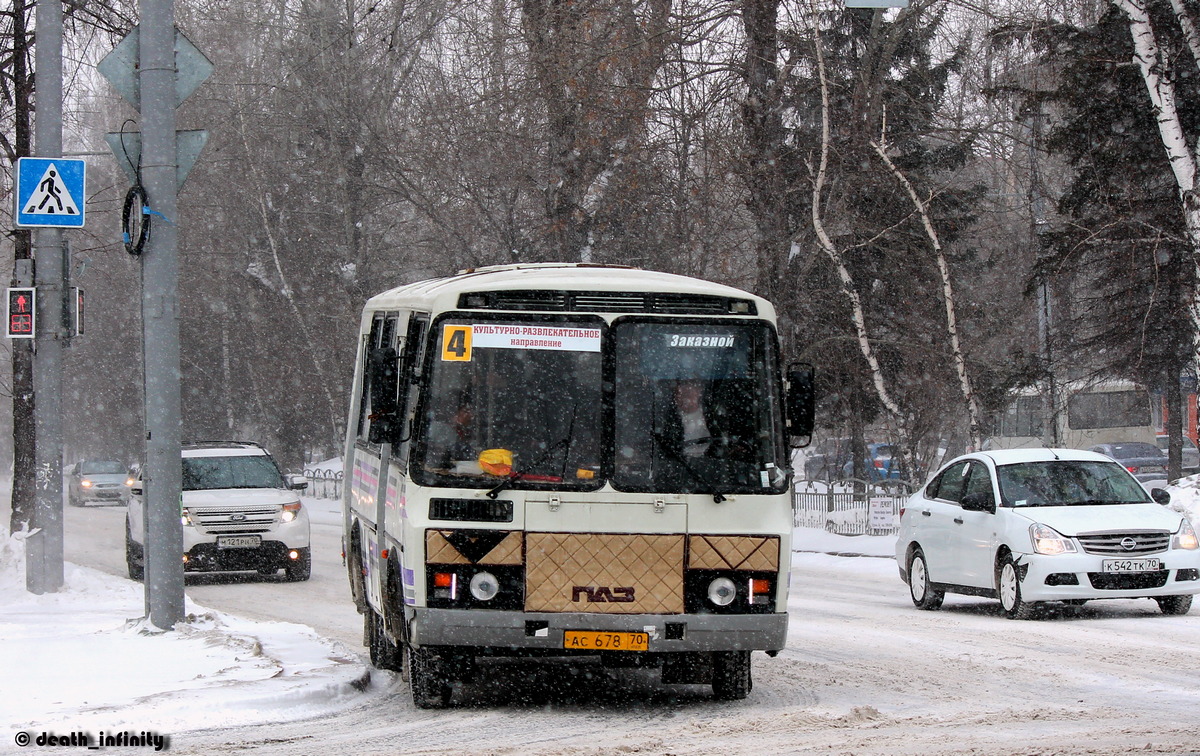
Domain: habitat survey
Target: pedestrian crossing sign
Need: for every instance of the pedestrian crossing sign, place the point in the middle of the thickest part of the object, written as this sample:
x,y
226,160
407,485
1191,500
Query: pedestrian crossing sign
x,y
50,192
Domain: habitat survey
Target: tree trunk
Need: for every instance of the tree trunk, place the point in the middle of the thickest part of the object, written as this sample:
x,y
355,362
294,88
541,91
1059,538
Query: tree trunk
x,y
24,438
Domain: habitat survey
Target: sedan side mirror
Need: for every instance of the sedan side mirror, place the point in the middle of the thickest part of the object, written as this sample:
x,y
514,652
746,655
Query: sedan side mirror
x,y
1161,495
979,502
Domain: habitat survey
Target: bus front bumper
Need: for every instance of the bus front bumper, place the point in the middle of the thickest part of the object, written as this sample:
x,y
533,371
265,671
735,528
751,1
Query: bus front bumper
x,y
544,631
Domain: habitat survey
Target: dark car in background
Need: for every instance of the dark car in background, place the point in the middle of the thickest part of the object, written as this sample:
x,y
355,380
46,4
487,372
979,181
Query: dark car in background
x,y
827,458
98,480
1144,461
1191,454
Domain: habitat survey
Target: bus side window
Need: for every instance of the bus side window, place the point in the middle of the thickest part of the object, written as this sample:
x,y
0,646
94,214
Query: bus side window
x,y
377,406
412,351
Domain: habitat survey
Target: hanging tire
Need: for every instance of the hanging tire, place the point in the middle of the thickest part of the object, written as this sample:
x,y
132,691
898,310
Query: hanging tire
x,y
134,556
1174,605
731,676
427,678
924,595
1008,585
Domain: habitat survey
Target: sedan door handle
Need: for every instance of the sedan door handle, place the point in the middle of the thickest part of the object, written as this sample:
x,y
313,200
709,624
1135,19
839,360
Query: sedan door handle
x,y
959,520
926,513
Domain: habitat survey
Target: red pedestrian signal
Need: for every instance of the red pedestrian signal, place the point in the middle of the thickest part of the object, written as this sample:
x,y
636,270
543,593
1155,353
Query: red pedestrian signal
x,y
22,313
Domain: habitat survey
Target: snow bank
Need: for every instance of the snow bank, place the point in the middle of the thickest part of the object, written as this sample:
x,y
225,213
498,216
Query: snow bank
x,y
85,659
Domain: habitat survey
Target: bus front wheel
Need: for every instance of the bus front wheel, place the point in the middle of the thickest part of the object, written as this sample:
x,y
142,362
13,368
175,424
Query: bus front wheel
x,y
427,677
731,678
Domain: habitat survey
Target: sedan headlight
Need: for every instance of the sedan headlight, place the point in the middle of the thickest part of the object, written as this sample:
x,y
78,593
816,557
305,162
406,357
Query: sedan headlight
x,y
85,483
1185,537
1047,540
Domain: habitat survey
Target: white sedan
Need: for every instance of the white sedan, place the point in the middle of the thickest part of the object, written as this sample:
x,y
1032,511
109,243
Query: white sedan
x,y
1033,525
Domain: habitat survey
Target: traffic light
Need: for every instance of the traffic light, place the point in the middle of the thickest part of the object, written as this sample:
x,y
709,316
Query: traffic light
x,y
22,313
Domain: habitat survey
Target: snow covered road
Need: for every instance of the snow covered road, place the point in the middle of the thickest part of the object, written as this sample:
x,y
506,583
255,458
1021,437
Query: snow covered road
x,y
864,673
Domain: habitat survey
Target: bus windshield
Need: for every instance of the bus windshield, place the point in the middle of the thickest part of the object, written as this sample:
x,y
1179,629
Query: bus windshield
x,y
691,407
513,398
696,408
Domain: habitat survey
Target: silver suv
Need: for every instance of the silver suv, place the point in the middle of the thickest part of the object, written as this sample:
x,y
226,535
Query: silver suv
x,y
239,513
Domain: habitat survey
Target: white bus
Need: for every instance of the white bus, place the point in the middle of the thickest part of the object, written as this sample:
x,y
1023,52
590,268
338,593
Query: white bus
x,y
1087,413
559,459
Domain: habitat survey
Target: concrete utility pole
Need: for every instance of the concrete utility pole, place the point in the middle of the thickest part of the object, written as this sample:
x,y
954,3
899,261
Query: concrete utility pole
x,y
160,317
44,548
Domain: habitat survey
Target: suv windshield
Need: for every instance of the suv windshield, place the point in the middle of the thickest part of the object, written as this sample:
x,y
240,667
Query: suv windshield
x,y
697,409
206,473
513,398
1067,482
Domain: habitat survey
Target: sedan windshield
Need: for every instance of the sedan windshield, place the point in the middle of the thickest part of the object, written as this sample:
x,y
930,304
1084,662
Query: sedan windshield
x,y
102,468
1067,482
208,473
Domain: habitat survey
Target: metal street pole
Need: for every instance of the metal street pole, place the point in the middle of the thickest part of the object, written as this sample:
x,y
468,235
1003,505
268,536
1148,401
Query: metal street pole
x,y
44,548
160,317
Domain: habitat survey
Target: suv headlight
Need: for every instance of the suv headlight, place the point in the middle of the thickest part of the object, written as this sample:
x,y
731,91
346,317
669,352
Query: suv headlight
x,y
290,511
1185,537
186,517
1047,540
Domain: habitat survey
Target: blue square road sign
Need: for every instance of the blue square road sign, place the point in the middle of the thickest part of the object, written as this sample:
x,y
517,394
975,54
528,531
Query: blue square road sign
x,y
50,192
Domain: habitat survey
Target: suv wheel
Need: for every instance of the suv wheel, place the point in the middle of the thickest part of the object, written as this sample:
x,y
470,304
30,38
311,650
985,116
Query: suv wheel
x,y
1009,588
133,556
924,595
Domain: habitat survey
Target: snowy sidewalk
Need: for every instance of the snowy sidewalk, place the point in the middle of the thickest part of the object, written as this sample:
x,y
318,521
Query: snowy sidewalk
x,y
80,661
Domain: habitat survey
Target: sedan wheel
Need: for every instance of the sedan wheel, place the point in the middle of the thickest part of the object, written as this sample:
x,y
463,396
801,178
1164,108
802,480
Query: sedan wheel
x,y
1010,592
924,595
1174,605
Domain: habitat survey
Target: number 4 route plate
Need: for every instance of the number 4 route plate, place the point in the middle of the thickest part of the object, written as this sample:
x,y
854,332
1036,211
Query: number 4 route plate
x,y
589,640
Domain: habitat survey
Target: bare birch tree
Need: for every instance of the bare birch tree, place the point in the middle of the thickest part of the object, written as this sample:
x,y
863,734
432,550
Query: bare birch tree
x,y
1156,73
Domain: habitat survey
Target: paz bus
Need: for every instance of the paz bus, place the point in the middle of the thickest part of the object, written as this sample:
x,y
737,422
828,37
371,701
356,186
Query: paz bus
x,y
1088,413
571,460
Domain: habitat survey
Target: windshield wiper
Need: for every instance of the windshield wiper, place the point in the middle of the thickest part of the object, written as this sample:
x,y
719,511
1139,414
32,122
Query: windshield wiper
x,y
523,470
695,475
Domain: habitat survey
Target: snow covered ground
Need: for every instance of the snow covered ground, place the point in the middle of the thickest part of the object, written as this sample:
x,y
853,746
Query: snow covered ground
x,y
82,660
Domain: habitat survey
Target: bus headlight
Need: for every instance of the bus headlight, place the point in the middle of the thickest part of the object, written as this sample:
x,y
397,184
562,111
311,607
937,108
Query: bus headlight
x,y
484,586
722,591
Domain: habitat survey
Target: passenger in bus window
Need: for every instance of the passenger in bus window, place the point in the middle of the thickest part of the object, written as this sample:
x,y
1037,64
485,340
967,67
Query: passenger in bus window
x,y
694,435
450,437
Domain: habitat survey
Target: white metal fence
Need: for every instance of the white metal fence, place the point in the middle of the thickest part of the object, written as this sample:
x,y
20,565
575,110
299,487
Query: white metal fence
x,y
849,507
324,484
